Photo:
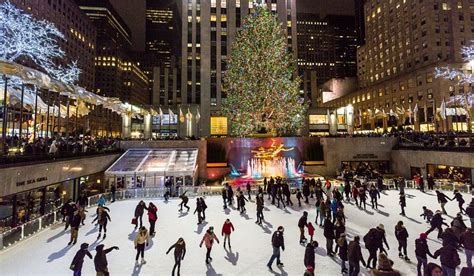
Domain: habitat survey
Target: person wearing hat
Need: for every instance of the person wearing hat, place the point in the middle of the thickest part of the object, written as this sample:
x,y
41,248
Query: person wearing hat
x,y
309,271
437,222
470,211
278,242
422,251
208,239
78,260
227,229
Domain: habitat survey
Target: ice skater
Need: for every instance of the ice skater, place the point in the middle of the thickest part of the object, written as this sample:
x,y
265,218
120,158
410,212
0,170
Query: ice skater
x,y
78,261
401,234
442,200
75,223
437,222
343,247
249,190
208,240
152,217
302,223
102,218
100,259
299,197
198,210
427,214
403,203
422,251
204,207
227,229
241,202
184,202
260,203
179,253
310,231
224,197
139,210
309,254
141,240
277,242
458,197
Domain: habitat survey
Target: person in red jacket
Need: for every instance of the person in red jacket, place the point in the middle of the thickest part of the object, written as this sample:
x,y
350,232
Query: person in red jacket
x,y
152,217
227,228
310,231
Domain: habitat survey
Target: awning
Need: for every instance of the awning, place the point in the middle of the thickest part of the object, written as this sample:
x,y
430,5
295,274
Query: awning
x,y
156,162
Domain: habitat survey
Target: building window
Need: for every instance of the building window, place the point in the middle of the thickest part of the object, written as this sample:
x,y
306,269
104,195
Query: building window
x,y
318,119
218,125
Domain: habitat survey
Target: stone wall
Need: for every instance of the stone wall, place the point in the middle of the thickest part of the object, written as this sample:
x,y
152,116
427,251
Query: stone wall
x,y
402,160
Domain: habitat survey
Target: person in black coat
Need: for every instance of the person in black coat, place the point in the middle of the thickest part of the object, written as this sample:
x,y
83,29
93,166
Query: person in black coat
x,y
306,192
224,197
449,259
139,210
401,234
442,200
184,202
458,197
343,252
75,223
78,260
309,254
403,203
102,218
277,242
241,202
302,223
198,210
100,259
204,207
249,190
422,251
230,194
330,236
437,222
260,202
179,252
431,182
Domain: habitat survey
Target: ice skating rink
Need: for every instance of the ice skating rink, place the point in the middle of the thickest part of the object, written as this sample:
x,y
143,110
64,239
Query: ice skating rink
x,y
48,254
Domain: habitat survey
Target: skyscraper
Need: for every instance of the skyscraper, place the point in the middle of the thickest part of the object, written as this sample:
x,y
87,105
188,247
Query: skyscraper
x,y
208,30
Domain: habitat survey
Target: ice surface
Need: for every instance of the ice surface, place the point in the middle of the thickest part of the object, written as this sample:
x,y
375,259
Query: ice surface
x,y
48,254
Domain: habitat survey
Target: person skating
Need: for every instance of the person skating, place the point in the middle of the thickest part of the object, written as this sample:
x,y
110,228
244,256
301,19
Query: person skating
x,y
310,231
343,247
363,197
100,259
204,207
421,182
141,240
299,197
385,267
422,251
82,213
208,240
68,210
113,190
470,212
403,203
260,203
249,190
265,183
179,253
355,195
427,214
152,217
139,210
437,222
458,197
75,223
224,197
306,192
309,254
334,204
278,242
287,193
198,210
102,218
279,197
373,193
302,223
354,255
227,229
82,200
270,187
102,201
184,202
230,194
442,200
449,237
347,190
241,202
401,234
371,243
339,229
381,238
78,260
458,226
467,241
330,236
449,259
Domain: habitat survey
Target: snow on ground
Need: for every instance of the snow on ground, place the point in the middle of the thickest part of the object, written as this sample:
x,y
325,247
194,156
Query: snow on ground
x,y
48,253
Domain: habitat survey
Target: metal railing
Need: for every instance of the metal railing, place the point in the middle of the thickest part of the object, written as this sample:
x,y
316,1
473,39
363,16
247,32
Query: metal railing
x,y
54,217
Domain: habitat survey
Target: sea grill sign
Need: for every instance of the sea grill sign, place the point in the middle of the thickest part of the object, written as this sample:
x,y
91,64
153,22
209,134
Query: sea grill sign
x,y
31,181
365,156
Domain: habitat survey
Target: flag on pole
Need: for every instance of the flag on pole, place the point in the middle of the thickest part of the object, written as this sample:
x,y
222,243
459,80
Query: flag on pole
x,y
170,112
189,115
198,115
415,113
181,115
443,110
161,116
410,114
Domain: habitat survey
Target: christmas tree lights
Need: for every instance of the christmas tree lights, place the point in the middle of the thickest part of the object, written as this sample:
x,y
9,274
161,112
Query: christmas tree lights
x,y
262,93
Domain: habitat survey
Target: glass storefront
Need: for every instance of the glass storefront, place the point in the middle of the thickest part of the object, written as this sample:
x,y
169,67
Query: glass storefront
x,y
22,207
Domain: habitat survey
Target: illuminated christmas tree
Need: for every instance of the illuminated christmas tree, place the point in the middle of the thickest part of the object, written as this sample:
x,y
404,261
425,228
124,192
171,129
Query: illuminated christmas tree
x,y
262,92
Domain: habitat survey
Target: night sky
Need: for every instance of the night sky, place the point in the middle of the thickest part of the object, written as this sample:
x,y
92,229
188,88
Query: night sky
x,y
339,7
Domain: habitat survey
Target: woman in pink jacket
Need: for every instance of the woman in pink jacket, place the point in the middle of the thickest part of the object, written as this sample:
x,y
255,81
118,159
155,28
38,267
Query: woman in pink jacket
x,y
208,240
